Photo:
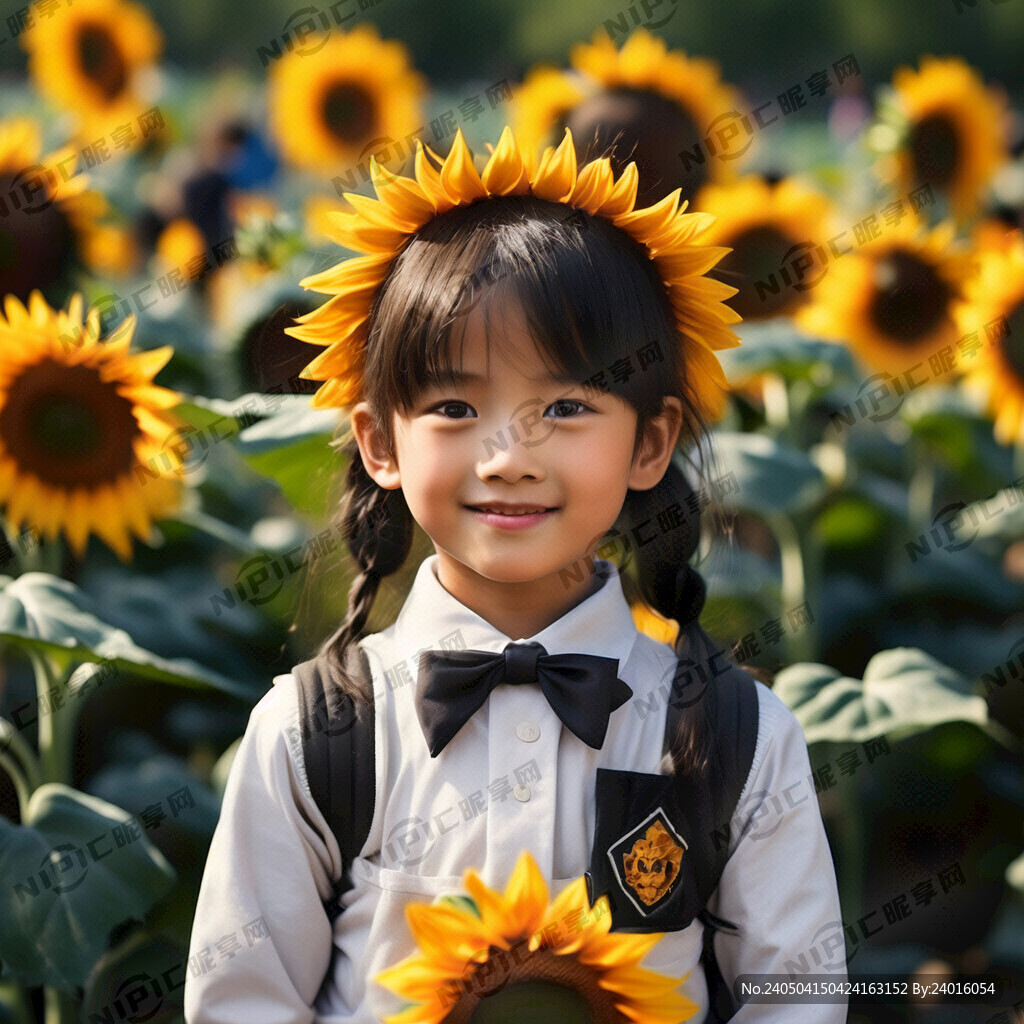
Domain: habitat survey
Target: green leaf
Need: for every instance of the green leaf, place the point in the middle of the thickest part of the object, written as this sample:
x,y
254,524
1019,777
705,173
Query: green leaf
x,y
999,515
930,564
945,417
887,496
42,613
138,786
143,979
70,883
180,829
293,448
202,414
742,591
904,690
764,476
463,903
778,346
849,522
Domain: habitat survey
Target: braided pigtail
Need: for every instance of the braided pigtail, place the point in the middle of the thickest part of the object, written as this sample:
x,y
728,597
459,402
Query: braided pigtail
x,y
675,590
378,528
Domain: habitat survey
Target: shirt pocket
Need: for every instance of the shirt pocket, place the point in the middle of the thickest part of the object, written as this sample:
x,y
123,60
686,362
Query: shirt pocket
x,y
404,883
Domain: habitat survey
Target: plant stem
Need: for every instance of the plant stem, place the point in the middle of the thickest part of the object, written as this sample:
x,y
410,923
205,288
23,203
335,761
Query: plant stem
x,y
12,740
61,1007
12,996
10,765
794,589
921,495
57,725
20,763
776,402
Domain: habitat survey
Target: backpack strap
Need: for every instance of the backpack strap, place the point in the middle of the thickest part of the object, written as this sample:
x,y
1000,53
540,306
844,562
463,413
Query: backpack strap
x,y
338,746
703,674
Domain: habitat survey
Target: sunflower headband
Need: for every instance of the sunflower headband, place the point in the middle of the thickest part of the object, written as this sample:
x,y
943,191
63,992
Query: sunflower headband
x,y
380,228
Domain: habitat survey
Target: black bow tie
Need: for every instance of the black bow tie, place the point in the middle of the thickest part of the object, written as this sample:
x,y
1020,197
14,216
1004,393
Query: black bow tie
x,y
582,689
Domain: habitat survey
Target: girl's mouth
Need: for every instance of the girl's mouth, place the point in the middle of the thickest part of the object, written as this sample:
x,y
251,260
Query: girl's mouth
x,y
511,517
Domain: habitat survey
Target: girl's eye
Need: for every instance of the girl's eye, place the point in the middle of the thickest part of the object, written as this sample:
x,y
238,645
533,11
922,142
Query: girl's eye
x,y
566,407
455,410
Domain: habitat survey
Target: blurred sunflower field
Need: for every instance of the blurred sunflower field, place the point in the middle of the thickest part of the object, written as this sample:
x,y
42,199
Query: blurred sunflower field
x,y
167,178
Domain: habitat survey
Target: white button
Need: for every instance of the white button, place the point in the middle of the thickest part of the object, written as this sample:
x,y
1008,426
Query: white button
x,y
528,731
522,791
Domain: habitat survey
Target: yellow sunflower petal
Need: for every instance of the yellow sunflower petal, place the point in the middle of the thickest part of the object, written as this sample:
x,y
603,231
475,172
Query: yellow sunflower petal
x,y
505,173
610,961
382,227
459,177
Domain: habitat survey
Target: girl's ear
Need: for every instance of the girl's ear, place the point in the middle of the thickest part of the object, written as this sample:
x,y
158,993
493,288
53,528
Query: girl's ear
x,y
659,441
379,462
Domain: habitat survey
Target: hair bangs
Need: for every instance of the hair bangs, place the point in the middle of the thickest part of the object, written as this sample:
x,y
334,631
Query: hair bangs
x,y
591,297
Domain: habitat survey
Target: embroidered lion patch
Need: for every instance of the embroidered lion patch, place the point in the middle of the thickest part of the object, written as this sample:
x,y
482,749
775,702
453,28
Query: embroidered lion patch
x,y
652,865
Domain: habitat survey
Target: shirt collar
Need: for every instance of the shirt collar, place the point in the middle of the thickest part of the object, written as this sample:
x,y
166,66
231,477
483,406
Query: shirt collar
x,y
600,625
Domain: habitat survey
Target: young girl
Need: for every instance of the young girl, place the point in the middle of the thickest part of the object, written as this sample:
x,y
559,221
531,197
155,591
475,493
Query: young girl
x,y
520,353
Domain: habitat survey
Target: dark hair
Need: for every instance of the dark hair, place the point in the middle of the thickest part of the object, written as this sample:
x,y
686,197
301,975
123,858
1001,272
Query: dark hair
x,y
592,299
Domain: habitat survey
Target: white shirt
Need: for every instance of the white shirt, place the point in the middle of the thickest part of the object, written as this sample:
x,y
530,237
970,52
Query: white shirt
x,y
512,778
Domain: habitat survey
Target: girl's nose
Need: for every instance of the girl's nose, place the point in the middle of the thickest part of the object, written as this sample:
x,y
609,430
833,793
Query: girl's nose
x,y
515,449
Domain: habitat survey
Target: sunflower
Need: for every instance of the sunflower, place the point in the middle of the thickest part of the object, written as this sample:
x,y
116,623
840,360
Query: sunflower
x,y
657,106
542,103
111,250
83,429
89,58
356,93
992,233
382,227
894,297
485,957
995,369
951,132
774,231
47,216
179,244
651,622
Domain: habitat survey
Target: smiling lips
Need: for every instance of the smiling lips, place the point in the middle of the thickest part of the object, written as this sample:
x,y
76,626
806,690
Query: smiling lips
x,y
511,517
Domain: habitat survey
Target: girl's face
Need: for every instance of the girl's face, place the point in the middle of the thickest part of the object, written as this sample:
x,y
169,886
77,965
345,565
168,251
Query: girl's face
x,y
514,474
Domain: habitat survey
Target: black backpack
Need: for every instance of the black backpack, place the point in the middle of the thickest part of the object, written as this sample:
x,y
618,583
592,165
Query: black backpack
x,y
338,747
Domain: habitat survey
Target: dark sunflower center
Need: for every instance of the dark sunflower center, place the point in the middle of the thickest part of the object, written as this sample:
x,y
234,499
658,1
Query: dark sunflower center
x,y
516,985
910,299
635,125
934,146
755,266
100,60
348,112
273,359
67,427
37,246
1012,344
